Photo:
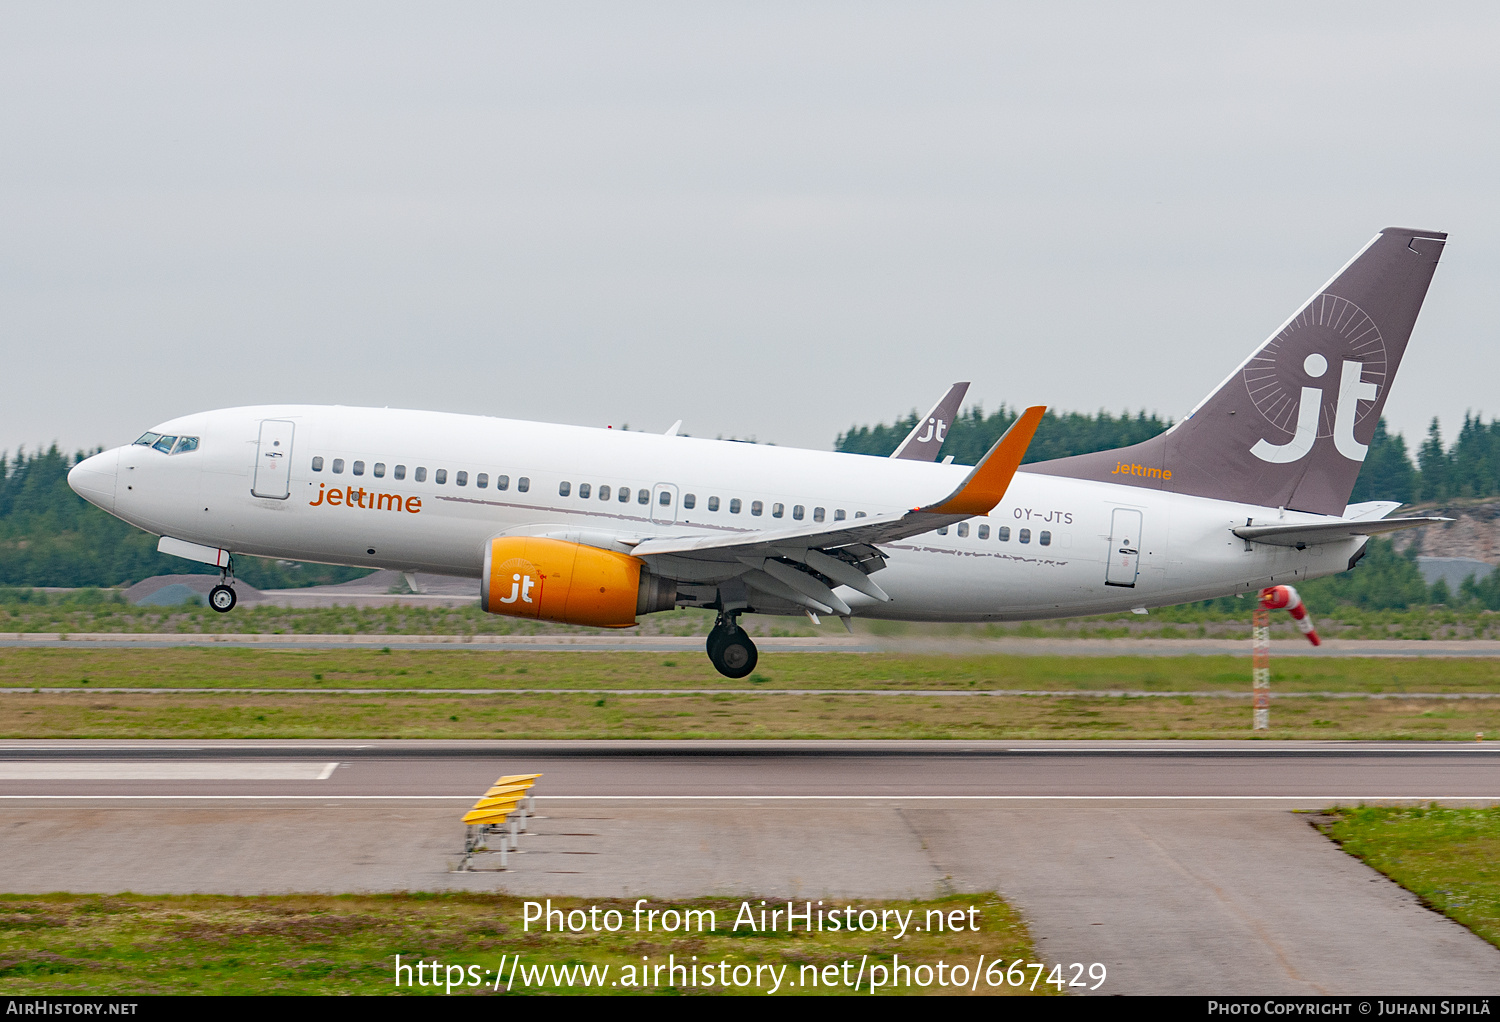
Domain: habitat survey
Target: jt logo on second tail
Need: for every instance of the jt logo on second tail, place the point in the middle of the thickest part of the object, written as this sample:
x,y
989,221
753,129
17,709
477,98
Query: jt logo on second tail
x,y
937,429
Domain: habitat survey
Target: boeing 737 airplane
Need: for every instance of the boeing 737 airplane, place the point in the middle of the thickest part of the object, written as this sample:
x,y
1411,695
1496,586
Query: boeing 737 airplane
x,y
597,526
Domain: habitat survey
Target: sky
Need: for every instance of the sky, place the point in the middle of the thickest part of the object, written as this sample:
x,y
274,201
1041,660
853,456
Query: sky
x,y
771,221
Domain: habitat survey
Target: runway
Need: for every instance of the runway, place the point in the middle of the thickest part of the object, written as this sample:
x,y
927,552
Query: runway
x,y
1180,865
1305,774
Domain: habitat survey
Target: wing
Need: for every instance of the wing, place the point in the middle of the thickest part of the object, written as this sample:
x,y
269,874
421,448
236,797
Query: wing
x,y
838,552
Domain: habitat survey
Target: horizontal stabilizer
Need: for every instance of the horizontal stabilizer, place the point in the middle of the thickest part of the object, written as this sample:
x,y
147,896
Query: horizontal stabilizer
x,y
1303,534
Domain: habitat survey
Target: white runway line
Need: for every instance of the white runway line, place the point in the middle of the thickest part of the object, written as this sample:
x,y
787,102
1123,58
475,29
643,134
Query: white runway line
x,y
105,770
469,797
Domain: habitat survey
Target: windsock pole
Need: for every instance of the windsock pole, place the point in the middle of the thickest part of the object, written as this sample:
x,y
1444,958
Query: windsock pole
x,y
1273,598
1260,668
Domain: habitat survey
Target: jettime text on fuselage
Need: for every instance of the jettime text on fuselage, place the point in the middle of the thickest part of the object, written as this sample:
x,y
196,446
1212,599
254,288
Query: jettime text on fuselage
x,y
358,496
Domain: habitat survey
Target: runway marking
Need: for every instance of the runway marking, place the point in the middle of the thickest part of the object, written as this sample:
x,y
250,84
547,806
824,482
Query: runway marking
x,y
469,797
923,693
182,770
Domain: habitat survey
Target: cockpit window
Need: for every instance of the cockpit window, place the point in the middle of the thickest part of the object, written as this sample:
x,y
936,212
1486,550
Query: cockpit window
x,y
147,439
165,444
185,444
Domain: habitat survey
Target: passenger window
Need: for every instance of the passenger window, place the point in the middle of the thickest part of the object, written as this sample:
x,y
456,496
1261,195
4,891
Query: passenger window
x,y
777,510
359,468
147,439
734,506
421,475
689,500
440,476
798,511
187,443
713,503
399,471
379,470
482,480
943,531
318,464
1003,534
461,478
604,493
1025,536
165,444
643,496
584,490
818,514
984,532
756,507
838,515
860,514
563,489
338,465
523,484
1045,539
963,530
664,498
624,495
502,482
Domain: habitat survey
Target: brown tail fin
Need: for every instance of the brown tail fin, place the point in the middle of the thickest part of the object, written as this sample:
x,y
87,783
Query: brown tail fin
x,y
1290,425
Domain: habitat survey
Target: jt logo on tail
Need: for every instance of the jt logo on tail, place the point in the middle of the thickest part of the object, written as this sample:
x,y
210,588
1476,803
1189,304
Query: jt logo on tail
x,y
1352,389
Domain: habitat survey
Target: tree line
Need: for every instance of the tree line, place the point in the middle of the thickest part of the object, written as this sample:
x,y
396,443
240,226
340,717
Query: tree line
x,y
50,536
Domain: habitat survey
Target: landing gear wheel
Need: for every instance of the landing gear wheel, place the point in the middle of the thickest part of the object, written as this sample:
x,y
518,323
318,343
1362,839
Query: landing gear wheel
x,y
222,598
734,655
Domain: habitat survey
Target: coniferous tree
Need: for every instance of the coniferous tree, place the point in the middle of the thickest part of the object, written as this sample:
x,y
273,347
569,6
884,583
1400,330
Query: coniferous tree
x,y
1387,473
1434,464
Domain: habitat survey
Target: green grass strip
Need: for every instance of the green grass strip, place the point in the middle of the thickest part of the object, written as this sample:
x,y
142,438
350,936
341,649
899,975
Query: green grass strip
x,y
1448,857
64,944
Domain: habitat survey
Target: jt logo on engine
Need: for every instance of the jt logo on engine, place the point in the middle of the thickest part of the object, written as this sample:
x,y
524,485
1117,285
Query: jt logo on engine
x,y
520,587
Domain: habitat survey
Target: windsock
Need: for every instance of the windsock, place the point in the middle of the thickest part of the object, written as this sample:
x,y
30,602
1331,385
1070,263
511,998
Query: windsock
x,y
1286,598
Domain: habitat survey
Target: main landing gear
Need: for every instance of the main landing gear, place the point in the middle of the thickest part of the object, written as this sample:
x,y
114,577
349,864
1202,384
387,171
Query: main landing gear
x,y
222,596
730,649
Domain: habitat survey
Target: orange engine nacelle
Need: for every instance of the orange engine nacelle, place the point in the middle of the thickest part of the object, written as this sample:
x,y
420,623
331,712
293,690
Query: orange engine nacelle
x,y
556,580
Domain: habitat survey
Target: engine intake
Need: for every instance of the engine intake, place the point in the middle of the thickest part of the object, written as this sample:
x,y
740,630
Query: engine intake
x,y
557,580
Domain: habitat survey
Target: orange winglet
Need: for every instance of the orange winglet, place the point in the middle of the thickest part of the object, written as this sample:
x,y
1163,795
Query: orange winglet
x,y
984,487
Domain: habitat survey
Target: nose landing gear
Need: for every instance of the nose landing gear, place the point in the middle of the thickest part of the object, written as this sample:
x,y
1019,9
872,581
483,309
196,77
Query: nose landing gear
x,y
222,597
730,649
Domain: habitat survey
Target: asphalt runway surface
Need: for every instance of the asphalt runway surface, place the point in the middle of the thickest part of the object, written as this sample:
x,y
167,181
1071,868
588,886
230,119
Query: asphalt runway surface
x,y
1179,865
914,644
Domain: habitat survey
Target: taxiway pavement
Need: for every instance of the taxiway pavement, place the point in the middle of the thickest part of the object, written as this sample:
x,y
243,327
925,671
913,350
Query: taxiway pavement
x,y
1179,865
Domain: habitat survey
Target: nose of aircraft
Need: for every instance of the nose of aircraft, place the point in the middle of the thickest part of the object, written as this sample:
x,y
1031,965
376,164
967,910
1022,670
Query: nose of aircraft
x,y
93,478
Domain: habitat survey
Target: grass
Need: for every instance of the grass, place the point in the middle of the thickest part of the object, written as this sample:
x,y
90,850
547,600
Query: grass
x,y
65,944
1448,857
1337,701
730,715
322,669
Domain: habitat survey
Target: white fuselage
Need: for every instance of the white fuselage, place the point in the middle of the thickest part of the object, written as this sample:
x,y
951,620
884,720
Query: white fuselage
x,y
1185,547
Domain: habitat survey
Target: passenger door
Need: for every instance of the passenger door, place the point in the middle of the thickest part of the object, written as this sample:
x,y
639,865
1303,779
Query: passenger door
x,y
1124,549
664,503
273,461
